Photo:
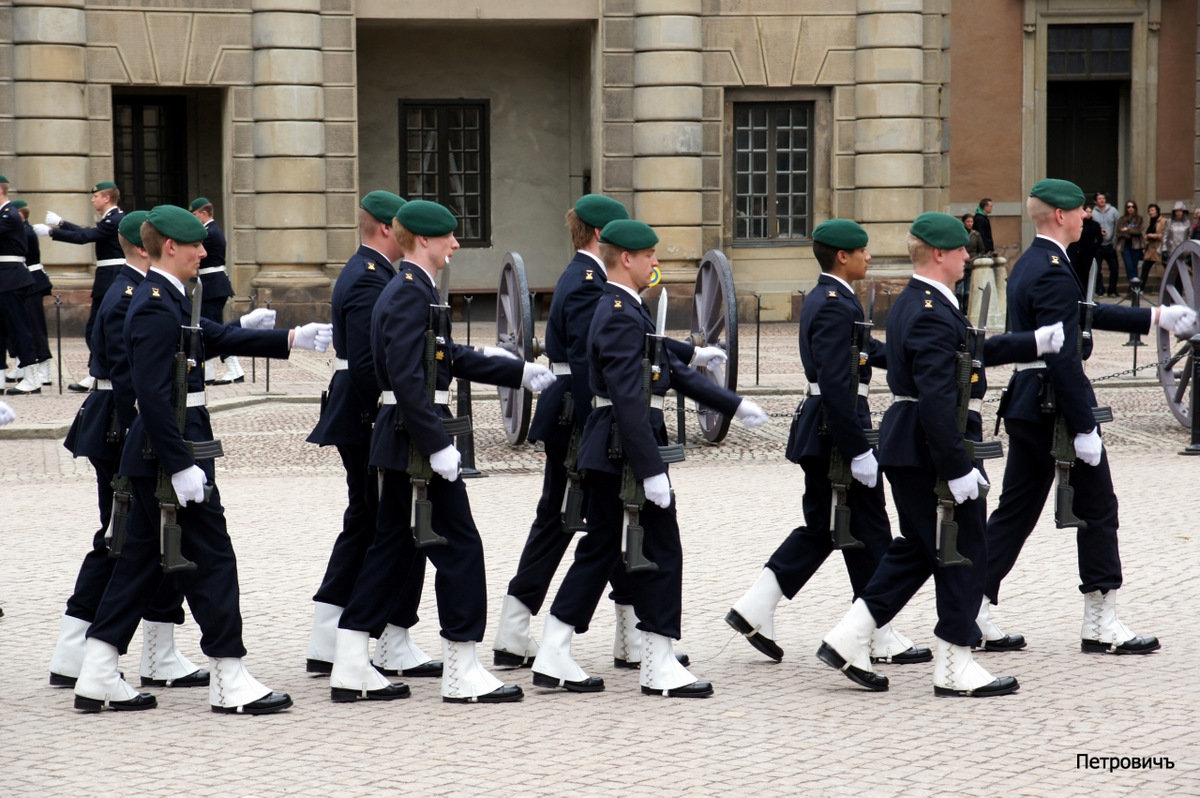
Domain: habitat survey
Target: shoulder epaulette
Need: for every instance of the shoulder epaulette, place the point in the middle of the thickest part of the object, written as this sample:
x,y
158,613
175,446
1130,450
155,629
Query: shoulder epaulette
x,y
154,292
589,275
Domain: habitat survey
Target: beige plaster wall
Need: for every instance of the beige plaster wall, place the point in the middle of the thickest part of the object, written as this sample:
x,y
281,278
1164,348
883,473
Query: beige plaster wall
x,y
536,79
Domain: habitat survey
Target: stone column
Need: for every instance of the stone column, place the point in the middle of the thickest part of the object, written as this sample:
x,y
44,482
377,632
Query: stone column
x,y
289,210
50,129
889,127
668,106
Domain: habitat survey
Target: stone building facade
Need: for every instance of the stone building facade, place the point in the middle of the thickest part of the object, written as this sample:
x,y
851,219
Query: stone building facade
x,y
730,124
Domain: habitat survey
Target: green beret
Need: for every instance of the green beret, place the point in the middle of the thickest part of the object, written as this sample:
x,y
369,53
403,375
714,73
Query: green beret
x,y
177,224
130,227
382,205
103,186
3,179
841,233
19,204
598,210
628,234
198,203
940,230
425,218
1058,193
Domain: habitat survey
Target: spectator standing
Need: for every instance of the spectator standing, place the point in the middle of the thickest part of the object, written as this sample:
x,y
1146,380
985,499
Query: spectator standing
x,y
1106,216
1152,250
1176,231
1130,229
1083,251
984,225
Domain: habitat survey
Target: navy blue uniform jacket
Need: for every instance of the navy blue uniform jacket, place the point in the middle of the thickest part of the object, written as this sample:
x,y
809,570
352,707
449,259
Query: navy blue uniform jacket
x,y
353,398
157,311
33,257
1044,289
104,236
217,284
398,326
827,322
616,346
14,275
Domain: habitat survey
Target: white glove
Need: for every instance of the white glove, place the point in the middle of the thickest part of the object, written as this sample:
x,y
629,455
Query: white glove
x,y
42,230
708,357
258,319
658,490
967,486
1088,447
750,414
7,416
497,351
53,219
445,462
537,377
1179,319
865,468
1049,338
315,335
189,484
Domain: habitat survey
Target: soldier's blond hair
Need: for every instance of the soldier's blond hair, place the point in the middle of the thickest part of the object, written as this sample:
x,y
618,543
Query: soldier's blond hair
x,y
918,251
582,233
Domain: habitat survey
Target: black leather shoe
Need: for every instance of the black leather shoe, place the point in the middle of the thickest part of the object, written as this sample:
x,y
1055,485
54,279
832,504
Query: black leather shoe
x,y
77,388
1138,645
18,392
506,659
343,695
910,656
319,666
1006,643
684,660
236,379
58,680
592,684
197,678
501,695
426,670
693,690
764,645
1002,686
272,702
217,382
875,682
139,701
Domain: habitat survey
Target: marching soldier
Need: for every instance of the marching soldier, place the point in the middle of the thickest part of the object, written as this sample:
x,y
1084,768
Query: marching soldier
x,y
97,433
178,481
415,358
834,414
42,287
634,480
109,258
15,283
217,289
347,414
1049,393
927,449
562,411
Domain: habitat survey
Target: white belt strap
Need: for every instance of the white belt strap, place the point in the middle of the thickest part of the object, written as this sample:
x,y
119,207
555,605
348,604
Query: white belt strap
x,y
1036,364
195,398
815,390
972,404
211,269
439,398
560,369
12,258
899,398
36,267
111,262
340,364
656,402
102,385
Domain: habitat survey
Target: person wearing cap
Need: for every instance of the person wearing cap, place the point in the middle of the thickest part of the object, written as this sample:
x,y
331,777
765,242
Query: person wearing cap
x,y
34,306
920,443
616,347
1176,231
97,433
561,414
1043,287
348,410
408,308
217,289
15,283
158,310
834,413
109,257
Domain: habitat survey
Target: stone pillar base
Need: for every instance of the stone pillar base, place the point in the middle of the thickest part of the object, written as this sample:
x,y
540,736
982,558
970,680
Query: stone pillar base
x,y
299,296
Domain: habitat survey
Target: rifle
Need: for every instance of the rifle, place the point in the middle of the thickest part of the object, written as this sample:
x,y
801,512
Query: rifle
x,y
840,474
118,522
572,506
420,472
967,360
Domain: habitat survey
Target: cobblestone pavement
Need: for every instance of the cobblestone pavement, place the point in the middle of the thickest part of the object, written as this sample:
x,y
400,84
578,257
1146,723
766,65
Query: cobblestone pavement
x,y
771,729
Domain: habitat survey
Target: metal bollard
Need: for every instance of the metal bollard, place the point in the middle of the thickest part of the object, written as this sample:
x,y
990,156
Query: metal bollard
x,y
466,441
1135,298
757,332
680,419
267,366
1194,413
58,334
